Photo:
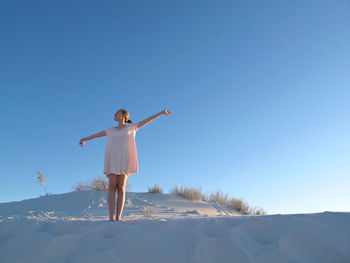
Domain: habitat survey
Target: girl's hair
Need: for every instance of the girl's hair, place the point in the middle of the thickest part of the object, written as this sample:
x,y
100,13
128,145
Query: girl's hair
x,y
126,115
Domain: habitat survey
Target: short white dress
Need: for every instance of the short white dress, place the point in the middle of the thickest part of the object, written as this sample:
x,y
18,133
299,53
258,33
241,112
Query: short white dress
x,y
121,151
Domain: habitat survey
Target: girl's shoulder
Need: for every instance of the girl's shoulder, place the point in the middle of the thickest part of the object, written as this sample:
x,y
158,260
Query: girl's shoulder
x,y
109,130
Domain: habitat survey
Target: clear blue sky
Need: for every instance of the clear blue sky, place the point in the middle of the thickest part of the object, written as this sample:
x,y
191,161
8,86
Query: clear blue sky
x,y
258,90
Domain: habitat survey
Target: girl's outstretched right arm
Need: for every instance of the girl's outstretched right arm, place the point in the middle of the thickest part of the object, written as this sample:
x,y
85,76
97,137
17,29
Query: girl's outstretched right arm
x,y
96,135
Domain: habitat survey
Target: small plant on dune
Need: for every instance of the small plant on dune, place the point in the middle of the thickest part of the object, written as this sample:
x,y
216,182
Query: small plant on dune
x,y
195,194
238,204
97,184
243,207
219,196
257,211
81,186
192,193
42,181
155,189
146,210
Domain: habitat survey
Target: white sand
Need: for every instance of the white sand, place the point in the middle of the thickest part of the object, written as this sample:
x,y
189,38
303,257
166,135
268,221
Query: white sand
x,y
75,227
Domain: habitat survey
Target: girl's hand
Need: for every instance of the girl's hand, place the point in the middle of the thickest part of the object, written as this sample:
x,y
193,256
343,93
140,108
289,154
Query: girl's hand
x,y
166,112
82,142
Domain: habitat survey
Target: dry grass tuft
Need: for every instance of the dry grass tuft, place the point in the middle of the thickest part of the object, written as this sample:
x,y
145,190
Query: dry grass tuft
x,y
195,194
219,196
239,205
192,193
155,189
81,186
42,181
257,211
97,184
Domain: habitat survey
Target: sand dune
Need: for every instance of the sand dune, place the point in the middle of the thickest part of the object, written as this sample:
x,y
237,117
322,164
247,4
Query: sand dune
x,y
74,227
93,206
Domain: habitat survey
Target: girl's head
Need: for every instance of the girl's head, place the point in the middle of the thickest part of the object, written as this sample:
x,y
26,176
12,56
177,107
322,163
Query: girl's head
x,y
122,115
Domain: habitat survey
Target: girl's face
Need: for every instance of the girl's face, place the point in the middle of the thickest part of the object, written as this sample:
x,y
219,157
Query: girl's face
x,y
118,116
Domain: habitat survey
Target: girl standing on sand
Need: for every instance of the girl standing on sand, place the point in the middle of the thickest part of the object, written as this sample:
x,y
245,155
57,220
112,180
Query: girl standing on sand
x,y
120,156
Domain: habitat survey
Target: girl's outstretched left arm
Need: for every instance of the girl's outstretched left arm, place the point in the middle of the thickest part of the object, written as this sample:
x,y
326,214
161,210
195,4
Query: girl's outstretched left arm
x,y
155,116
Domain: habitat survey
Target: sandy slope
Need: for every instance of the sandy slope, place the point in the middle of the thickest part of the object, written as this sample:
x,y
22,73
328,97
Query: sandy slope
x,y
74,227
93,206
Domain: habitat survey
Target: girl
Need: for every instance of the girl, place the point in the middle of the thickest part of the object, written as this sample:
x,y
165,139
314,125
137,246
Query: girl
x,y
120,156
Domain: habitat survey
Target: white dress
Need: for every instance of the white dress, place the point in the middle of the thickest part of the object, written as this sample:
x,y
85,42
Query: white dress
x,y
121,151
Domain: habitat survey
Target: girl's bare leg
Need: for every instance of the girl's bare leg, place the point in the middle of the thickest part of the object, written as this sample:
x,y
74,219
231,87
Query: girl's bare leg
x,y
112,187
121,194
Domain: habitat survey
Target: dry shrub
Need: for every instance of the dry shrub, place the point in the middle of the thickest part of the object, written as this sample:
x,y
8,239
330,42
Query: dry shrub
x,y
195,194
155,189
219,196
257,211
42,181
238,204
81,186
97,184
243,207
192,193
